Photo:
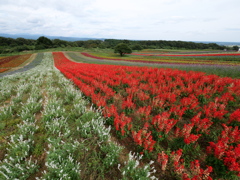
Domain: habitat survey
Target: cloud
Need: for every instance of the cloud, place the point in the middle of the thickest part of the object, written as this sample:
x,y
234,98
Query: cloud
x,y
176,20
128,19
233,29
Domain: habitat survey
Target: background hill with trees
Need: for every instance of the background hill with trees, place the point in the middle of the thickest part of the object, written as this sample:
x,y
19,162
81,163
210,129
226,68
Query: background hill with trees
x,y
10,45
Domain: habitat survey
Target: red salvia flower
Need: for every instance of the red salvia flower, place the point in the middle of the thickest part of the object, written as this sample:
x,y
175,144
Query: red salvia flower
x,y
162,160
176,155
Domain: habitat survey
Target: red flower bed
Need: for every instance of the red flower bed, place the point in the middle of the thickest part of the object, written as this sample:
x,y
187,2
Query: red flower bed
x,y
7,59
187,121
12,61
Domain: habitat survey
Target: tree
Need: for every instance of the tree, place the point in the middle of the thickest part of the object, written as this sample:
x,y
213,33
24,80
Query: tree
x,y
43,43
92,43
59,43
235,48
21,41
122,49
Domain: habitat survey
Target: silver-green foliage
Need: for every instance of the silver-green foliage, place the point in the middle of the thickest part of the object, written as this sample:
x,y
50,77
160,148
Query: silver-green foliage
x,y
132,170
60,160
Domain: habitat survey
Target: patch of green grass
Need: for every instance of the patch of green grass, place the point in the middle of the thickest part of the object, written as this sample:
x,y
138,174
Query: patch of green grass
x,y
8,127
39,141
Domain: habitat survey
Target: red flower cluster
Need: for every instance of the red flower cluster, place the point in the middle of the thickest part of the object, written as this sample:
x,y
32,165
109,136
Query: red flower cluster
x,y
197,172
235,116
178,163
144,138
122,121
186,133
163,123
224,149
162,160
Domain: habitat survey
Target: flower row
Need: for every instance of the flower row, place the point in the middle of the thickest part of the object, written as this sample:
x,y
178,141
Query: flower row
x,y
162,109
176,55
163,61
12,61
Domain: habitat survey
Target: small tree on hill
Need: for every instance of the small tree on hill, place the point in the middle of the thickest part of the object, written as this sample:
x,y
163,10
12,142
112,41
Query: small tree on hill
x,y
122,49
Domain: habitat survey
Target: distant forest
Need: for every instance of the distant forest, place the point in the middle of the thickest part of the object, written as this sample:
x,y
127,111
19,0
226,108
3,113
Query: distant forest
x,y
9,45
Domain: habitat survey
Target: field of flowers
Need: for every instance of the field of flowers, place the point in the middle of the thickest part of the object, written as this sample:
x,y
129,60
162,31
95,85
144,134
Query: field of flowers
x,y
185,55
226,59
48,130
185,123
33,62
10,62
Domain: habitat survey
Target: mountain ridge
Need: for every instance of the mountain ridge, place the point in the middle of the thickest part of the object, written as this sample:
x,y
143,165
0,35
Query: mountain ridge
x,y
36,36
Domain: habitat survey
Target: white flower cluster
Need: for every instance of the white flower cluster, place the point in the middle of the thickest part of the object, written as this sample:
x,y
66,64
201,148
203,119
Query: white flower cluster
x,y
132,168
17,162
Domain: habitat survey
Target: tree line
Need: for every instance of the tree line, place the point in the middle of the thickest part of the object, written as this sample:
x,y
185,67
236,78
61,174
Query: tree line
x,y
164,44
9,45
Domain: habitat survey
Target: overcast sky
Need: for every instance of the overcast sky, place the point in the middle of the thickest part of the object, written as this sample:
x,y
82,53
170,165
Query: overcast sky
x,y
187,20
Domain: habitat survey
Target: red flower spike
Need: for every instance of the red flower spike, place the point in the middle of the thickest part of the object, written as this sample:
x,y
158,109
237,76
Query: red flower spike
x,y
162,160
179,167
176,155
191,138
